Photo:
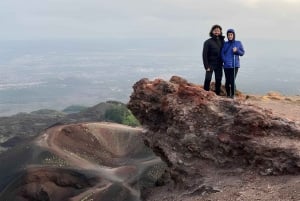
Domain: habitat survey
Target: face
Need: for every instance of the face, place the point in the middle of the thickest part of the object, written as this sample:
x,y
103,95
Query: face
x,y
230,36
216,32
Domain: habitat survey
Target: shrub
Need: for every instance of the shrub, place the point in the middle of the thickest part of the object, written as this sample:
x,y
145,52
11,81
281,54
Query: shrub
x,y
119,113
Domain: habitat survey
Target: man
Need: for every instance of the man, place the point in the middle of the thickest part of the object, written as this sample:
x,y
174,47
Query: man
x,y
212,59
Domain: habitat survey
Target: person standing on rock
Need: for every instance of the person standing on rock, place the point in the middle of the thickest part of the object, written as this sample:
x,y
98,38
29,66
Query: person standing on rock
x,y
212,60
231,52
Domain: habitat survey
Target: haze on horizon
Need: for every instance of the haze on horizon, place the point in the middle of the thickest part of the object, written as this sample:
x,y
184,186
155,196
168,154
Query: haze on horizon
x,y
56,53
96,19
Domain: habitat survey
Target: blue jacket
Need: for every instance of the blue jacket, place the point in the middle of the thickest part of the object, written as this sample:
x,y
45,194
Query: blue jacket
x,y
232,59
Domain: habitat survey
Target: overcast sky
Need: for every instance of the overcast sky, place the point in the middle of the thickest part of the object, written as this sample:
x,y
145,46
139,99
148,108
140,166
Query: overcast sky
x,y
48,19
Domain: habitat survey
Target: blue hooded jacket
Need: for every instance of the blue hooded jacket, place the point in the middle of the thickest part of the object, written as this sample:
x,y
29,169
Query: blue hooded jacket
x,y
232,59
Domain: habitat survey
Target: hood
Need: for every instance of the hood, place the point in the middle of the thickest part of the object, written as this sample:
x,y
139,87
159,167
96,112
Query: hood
x,y
231,31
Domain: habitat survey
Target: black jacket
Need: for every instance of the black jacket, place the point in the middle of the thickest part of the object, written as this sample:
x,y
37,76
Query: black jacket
x,y
211,54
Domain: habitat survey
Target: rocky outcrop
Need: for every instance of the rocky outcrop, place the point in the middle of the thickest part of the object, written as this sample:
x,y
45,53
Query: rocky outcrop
x,y
195,131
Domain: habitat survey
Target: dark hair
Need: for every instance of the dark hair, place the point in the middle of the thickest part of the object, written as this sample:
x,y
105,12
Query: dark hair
x,y
214,27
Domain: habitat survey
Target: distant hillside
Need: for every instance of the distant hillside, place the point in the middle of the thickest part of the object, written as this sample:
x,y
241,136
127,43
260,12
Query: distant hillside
x,y
19,127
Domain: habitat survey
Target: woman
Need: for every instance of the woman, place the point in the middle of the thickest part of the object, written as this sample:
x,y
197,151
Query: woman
x,y
231,52
211,56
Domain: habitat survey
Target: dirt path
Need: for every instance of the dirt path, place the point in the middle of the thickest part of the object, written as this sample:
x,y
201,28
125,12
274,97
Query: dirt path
x,y
282,106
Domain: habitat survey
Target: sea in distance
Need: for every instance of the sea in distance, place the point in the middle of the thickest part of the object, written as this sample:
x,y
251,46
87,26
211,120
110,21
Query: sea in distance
x,y
54,74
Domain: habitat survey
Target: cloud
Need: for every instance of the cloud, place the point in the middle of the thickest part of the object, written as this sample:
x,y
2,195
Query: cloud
x,y
141,18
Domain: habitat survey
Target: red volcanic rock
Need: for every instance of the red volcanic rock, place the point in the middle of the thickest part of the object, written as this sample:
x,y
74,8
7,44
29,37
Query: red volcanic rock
x,y
192,130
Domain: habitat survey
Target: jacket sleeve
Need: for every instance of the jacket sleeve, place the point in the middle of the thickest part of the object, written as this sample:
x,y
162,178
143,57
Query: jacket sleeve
x,y
223,52
240,50
205,55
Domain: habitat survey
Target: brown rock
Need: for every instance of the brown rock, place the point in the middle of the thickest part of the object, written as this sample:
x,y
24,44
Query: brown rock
x,y
188,124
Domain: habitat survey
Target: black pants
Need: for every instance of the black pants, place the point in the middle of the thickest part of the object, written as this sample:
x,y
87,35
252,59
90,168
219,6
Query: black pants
x,y
218,78
230,75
